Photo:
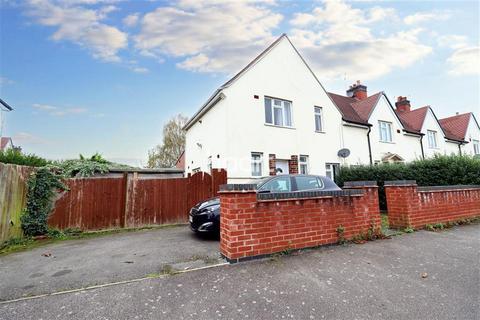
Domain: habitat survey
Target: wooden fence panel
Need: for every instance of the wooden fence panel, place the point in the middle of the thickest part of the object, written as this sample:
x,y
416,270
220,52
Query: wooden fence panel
x,y
90,204
13,192
132,201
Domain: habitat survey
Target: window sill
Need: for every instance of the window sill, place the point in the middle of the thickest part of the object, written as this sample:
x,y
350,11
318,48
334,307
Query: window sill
x,y
275,126
320,132
389,142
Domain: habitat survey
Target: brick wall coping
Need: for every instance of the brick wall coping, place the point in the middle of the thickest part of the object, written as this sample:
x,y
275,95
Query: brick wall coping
x,y
307,194
238,187
448,188
400,183
359,184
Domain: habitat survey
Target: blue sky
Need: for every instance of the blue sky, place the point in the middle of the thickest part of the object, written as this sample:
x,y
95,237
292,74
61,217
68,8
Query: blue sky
x,y
89,76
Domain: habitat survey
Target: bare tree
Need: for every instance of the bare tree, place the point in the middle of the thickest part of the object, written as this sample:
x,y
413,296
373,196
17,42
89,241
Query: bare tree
x,y
165,155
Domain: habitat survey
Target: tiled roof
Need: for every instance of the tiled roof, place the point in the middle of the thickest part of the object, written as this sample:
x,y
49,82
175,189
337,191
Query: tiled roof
x,y
364,107
413,120
455,127
354,110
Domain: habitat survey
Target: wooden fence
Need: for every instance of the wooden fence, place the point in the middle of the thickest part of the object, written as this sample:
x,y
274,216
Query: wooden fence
x,y
13,191
132,201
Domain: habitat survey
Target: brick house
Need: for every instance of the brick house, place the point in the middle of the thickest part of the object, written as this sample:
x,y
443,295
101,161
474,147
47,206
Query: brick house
x,y
275,117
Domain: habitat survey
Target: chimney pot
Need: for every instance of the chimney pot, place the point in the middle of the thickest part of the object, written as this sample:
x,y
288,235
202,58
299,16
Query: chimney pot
x,y
402,104
358,91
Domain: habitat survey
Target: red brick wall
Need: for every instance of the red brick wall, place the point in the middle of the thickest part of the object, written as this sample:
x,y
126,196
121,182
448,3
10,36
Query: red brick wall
x,y
251,227
272,165
293,165
410,207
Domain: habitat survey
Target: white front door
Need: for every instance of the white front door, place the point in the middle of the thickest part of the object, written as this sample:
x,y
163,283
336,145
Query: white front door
x,y
281,166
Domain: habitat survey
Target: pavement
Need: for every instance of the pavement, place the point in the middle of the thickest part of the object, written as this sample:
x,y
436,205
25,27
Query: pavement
x,y
85,262
423,275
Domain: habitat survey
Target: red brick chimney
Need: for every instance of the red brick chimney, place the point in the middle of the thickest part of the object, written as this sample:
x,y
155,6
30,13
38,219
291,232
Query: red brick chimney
x,y
357,90
402,104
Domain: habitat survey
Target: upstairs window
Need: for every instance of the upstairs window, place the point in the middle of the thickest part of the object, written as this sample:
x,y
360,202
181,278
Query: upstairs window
x,y
303,164
476,147
257,164
318,119
278,112
385,131
432,139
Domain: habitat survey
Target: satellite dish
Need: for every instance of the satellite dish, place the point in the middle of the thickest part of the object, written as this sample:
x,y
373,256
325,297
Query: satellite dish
x,y
343,153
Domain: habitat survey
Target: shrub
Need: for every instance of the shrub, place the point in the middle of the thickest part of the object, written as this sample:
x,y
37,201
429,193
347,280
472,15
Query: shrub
x,y
15,156
42,186
436,171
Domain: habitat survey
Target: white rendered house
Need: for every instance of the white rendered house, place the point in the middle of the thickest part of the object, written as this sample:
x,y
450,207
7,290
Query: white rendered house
x,y
275,117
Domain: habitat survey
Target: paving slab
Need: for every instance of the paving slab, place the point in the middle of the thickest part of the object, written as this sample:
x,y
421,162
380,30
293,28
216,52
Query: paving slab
x,y
85,262
423,275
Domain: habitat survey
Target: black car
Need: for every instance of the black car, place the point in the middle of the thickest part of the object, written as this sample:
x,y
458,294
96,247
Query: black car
x,y
204,217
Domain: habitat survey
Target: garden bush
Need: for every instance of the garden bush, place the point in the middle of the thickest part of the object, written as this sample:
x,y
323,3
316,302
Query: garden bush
x,y
15,156
436,171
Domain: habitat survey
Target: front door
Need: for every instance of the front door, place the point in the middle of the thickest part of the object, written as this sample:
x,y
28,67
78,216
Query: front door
x,y
281,167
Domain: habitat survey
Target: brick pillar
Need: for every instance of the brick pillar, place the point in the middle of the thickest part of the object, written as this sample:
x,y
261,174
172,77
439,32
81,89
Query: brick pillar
x,y
368,210
237,203
402,202
272,166
293,164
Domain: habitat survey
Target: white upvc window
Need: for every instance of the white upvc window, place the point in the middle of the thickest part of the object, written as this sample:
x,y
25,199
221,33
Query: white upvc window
x,y
303,164
318,111
331,170
278,112
385,131
257,162
432,139
476,147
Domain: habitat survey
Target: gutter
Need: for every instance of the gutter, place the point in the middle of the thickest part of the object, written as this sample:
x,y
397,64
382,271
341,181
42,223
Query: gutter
x,y
369,145
213,100
421,146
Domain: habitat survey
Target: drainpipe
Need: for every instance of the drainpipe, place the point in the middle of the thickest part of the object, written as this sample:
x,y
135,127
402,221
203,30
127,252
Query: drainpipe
x,y
369,145
460,148
421,146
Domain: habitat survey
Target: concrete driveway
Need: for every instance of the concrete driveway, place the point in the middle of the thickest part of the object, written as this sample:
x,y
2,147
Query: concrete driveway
x,y
99,260
377,280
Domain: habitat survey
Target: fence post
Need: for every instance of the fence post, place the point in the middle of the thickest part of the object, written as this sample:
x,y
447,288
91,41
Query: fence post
x,y
123,217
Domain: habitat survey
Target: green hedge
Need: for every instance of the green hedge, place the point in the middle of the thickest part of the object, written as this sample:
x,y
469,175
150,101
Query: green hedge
x,y
437,171
15,156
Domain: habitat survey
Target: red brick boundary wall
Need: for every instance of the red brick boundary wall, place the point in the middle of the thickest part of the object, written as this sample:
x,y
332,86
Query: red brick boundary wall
x,y
412,206
255,225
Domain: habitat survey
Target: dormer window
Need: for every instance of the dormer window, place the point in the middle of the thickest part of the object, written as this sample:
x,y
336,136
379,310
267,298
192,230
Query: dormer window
x,y
385,131
432,139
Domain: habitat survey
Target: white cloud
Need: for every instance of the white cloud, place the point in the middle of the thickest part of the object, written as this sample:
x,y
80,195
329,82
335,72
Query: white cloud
x,y
81,25
453,41
140,70
5,81
209,36
58,111
421,17
131,20
27,138
465,61
337,39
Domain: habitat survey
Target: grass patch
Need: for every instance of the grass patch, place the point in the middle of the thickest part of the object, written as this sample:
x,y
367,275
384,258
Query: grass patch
x,y
54,235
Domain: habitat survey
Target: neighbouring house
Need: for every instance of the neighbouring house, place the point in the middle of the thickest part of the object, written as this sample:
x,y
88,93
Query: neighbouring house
x,y
465,130
275,117
6,143
180,164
